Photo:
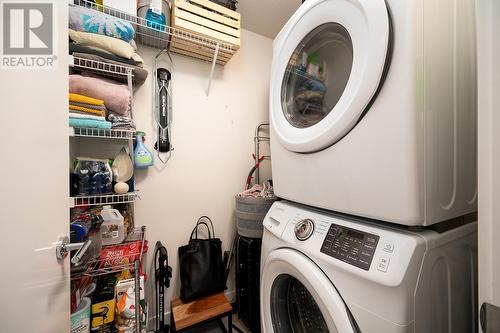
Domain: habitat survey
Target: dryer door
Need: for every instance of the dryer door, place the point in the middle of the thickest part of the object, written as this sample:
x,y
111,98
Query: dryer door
x,y
328,62
296,296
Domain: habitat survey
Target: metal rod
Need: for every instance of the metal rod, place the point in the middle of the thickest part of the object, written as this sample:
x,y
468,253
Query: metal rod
x,y
214,62
137,286
257,140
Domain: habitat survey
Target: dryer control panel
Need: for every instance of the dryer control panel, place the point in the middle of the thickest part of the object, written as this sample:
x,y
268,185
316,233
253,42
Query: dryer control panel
x,y
351,246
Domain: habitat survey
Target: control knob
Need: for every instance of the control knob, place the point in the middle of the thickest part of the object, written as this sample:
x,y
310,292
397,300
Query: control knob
x,y
304,229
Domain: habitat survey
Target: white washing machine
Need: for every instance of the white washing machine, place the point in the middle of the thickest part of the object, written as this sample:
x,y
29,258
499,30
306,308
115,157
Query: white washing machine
x,y
327,273
373,109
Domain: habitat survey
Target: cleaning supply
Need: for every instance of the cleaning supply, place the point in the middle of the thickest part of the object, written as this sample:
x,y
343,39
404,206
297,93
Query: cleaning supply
x,y
103,304
142,156
113,228
80,319
155,17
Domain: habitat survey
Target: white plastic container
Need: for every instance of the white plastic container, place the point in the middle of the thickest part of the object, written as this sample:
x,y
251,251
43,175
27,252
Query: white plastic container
x,y
113,228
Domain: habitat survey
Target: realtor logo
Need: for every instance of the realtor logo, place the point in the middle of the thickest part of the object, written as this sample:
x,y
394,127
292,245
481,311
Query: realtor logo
x,y
27,35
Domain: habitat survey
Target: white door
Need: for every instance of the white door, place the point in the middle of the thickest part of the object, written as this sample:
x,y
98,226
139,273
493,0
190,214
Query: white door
x,y
328,62
296,296
489,162
34,191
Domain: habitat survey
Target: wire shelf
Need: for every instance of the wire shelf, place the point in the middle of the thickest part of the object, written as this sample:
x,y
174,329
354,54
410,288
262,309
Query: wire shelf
x,y
102,133
120,257
99,67
109,199
157,35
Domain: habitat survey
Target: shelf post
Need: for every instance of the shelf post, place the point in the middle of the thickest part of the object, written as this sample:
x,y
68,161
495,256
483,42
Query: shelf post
x,y
214,62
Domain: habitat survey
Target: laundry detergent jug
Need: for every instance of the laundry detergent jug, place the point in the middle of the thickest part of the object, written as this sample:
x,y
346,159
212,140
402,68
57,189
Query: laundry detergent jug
x,y
113,228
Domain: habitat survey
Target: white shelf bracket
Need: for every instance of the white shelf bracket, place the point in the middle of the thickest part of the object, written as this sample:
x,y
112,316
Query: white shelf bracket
x,y
212,69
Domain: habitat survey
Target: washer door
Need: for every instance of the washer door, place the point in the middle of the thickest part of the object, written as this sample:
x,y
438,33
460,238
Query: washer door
x,y
328,62
296,296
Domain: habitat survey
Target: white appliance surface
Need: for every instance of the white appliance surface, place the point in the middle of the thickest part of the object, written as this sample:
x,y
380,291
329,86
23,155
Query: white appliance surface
x,y
413,282
398,143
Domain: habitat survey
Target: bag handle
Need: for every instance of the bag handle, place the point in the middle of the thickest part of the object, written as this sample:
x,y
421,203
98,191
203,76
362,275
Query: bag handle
x,y
195,230
204,219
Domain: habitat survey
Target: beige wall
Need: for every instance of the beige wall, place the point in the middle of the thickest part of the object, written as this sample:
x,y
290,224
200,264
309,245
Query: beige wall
x,y
213,140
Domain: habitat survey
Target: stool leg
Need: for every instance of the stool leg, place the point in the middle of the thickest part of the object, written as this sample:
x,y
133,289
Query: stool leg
x,y
230,323
172,322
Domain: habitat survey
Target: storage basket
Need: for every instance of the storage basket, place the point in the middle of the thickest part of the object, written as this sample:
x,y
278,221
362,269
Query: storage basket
x,y
249,215
210,20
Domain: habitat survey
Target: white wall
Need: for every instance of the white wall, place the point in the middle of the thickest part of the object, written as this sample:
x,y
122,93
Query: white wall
x,y
213,140
488,158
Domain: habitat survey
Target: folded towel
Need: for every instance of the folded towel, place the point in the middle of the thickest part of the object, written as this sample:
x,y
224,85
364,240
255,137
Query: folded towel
x,y
85,99
140,74
88,20
115,95
84,110
85,116
113,45
89,123
77,48
89,106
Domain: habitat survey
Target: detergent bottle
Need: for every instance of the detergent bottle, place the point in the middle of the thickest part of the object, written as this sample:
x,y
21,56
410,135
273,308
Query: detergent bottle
x,y
142,156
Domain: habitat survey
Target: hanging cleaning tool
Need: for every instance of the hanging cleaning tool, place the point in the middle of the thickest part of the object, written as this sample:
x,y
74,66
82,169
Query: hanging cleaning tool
x,y
163,107
163,273
142,156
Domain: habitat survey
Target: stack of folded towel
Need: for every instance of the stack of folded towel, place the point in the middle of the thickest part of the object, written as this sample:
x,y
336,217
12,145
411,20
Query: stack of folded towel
x,y
97,101
102,37
87,112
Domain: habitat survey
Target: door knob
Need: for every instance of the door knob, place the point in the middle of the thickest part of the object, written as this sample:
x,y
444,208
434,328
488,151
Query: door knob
x,y
64,247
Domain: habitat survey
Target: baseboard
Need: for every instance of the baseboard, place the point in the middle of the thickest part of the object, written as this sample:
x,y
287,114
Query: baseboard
x,y
230,295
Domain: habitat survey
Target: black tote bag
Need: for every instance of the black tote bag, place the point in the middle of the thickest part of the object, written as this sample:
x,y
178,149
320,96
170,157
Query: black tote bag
x,y
201,265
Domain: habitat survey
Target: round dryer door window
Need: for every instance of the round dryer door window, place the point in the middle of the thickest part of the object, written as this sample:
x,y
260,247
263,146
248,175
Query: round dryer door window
x,y
328,63
317,75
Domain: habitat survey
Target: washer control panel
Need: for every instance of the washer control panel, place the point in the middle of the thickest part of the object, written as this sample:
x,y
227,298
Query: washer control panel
x,y
351,246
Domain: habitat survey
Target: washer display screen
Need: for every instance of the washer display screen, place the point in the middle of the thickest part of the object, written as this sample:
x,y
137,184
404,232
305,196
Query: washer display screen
x,y
351,246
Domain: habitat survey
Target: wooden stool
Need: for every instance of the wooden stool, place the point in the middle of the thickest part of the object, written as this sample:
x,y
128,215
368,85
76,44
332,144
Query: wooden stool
x,y
201,311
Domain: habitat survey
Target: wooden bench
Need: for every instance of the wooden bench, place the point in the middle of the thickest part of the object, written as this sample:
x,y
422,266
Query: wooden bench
x,y
201,311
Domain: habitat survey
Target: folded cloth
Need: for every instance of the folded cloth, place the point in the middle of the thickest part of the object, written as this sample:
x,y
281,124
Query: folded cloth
x,y
77,48
84,110
113,45
140,74
93,21
253,192
85,116
121,122
89,106
89,123
115,95
85,99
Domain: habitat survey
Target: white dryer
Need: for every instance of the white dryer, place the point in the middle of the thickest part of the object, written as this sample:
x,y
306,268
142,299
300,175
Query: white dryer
x,y
327,273
373,108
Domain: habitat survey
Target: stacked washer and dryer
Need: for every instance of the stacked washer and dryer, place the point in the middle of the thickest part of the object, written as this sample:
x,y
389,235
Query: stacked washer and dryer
x,y
373,138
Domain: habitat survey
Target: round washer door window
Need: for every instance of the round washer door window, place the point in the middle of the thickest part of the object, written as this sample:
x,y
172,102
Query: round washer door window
x,y
296,296
328,62
293,308
317,75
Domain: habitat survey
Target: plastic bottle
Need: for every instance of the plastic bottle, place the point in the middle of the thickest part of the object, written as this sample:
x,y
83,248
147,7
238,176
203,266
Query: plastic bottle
x,y
155,17
113,228
142,156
